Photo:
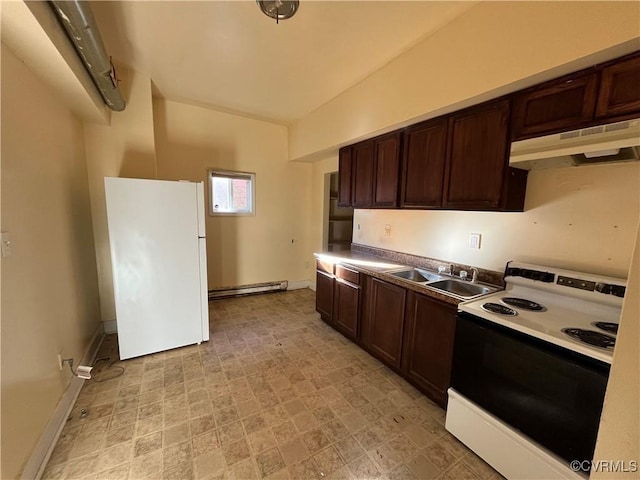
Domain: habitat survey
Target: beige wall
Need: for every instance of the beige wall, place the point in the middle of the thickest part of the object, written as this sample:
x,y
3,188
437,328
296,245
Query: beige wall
x,y
492,48
248,249
123,149
50,293
619,437
578,218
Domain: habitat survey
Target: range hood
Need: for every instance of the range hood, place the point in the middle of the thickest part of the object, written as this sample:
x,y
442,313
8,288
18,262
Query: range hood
x,y
611,143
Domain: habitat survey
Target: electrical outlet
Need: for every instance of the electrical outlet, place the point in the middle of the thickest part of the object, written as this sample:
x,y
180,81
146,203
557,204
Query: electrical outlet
x,y
474,241
60,361
387,230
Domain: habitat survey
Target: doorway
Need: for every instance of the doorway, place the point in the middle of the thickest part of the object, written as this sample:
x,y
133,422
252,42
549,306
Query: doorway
x,y
339,225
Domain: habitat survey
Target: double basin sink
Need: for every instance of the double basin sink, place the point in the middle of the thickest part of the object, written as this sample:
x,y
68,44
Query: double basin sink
x,y
465,290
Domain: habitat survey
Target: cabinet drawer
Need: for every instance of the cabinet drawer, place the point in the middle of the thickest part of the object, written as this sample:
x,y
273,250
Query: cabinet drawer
x,y
347,274
325,266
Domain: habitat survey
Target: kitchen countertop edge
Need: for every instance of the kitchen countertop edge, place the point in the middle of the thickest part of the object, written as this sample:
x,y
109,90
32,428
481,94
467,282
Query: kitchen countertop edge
x,y
378,267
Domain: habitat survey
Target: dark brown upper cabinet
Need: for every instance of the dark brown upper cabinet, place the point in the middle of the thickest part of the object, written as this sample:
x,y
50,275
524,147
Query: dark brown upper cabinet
x,y
460,162
620,89
362,172
565,103
477,175
387,170
345,177
423,164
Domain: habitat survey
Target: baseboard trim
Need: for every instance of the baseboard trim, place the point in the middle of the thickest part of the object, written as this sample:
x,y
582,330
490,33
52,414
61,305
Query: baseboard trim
x,y
110,326
299,285
44,448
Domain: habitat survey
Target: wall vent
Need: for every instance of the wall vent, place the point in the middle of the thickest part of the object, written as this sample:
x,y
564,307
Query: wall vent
x,y
568,135
585,132
591,131
617,126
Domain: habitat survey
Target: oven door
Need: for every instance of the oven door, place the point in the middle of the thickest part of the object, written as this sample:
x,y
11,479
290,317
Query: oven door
x,y
550,394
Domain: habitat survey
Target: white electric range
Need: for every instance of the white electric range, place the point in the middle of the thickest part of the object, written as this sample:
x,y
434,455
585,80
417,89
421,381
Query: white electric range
x,y
530,369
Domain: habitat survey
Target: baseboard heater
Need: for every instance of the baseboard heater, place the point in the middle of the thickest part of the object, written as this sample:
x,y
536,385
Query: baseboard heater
x,y
227,292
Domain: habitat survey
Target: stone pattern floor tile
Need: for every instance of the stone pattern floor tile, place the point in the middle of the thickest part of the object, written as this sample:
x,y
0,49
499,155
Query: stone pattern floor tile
x,y
274,394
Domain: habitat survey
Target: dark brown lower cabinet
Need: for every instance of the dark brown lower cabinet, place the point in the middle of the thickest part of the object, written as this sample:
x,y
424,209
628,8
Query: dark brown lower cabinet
x,y
346,307
428,345
410,332
384,320
324,295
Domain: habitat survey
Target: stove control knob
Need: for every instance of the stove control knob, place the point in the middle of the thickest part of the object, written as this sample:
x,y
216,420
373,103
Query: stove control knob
x,y
608,289
618,291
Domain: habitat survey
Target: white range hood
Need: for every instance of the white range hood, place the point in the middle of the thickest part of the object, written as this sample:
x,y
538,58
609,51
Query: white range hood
x,y
612,143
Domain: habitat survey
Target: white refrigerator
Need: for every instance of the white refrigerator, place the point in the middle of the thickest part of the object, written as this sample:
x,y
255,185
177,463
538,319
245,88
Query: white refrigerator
x,y
158,254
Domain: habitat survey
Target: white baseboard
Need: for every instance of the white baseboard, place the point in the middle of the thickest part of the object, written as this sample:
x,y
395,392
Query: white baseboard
x,y
110,326
299,284
44,448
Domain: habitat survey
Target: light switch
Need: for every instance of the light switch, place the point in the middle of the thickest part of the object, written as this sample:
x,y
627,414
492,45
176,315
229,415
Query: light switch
x,y
6,244
387,230
474,241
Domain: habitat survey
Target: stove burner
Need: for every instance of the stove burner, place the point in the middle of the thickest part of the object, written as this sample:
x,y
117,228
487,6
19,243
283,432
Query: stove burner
x,y
591,337
524,304
499,309
609,327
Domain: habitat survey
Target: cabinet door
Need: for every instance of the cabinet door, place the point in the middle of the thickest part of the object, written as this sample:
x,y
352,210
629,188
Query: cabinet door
x,y
564,104
324,295
425,147
478,159
620,89
387,170
362,171
428,345
386,320
345,178
346,308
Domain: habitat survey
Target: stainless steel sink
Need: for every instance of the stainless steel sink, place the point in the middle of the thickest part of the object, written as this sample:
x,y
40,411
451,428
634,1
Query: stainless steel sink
x,y
462,289
417,275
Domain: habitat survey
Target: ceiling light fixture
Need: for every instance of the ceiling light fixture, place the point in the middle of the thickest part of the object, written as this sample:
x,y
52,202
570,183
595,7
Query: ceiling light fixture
x,y
279,9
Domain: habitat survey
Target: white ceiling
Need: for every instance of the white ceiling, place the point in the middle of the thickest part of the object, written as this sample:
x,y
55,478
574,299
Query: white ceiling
x,y
229,55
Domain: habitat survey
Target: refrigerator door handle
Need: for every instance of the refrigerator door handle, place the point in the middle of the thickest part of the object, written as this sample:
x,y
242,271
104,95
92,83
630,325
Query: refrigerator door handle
x,y
204,292
200,199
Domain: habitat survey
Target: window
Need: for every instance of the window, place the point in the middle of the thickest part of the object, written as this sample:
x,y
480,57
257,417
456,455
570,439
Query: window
x,y
231,193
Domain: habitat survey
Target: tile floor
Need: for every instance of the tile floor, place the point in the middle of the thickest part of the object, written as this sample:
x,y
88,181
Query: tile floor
x,y
274,394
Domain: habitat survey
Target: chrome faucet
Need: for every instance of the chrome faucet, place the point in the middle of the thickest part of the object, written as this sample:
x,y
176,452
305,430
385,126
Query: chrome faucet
x,y
464,275
474,274
443,269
